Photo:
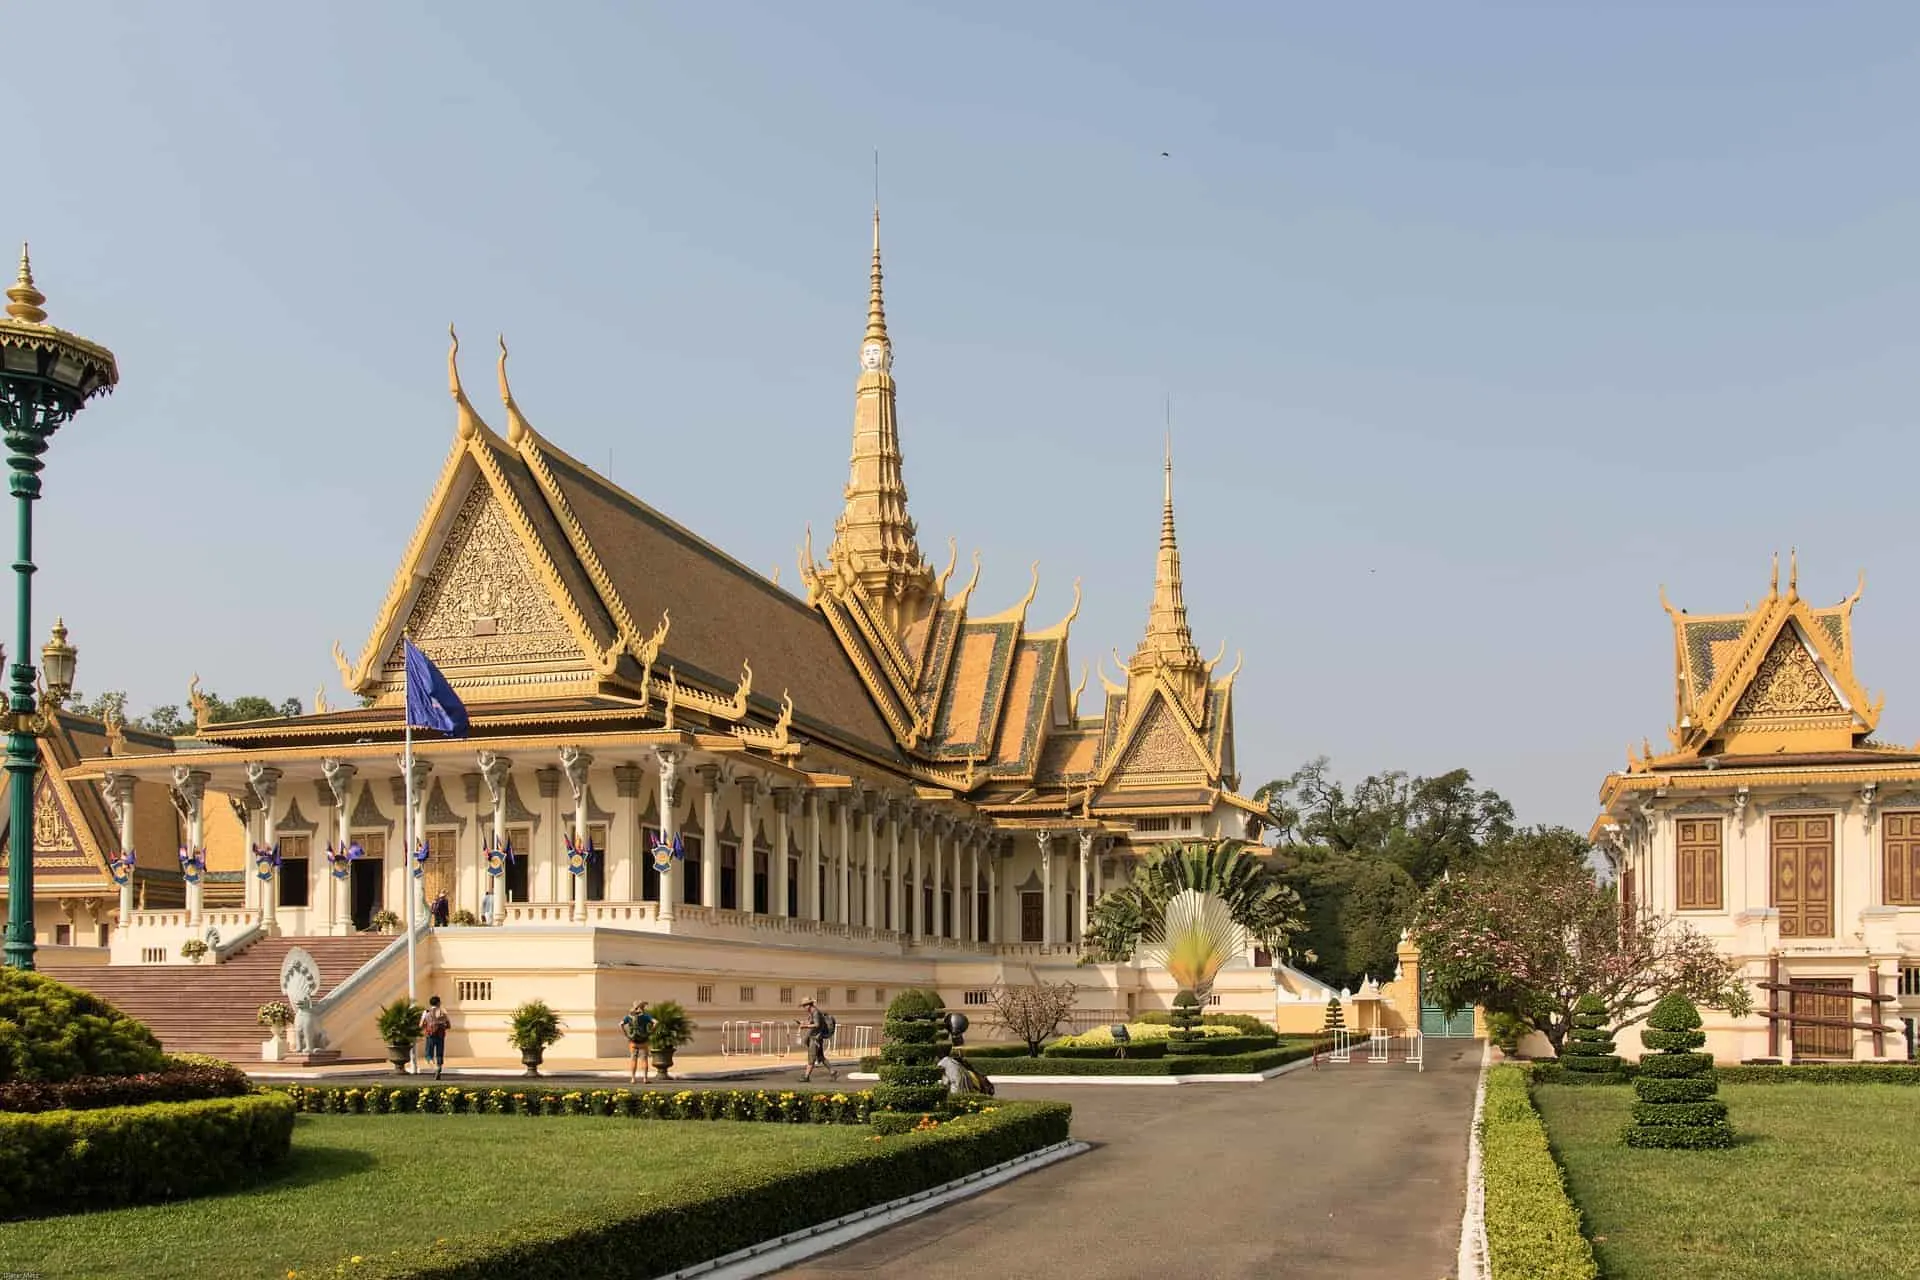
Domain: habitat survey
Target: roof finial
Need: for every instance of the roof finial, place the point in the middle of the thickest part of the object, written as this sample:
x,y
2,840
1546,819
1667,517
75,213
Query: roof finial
x,y
25,298
1793,573
876,302
517,427
1773,584
467,421
1168,636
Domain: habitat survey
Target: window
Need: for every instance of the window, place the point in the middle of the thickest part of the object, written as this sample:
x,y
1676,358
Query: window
x,y
1213,1001
703,994
786,996
690,886
153,955
63,935
1900,848
1153,824
295,852
1909,980
1262,958
853,995
520,839
597,867
100,932
822,994
879,995
746,995
977,997
1697,852
473,990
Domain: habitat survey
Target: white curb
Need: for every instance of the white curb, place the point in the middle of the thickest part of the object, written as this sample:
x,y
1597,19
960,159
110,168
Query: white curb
x,y
1268,1074
1474,1263
777,1254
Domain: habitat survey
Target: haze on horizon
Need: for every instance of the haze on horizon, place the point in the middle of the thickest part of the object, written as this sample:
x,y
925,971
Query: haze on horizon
x,y
1480,322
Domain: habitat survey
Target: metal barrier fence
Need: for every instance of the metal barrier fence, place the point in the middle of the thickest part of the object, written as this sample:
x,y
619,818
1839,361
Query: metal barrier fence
x,y
784,1037
1379,1047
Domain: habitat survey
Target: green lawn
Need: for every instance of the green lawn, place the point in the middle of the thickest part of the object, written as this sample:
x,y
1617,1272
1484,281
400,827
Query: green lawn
x,y
370,1184
1822,1184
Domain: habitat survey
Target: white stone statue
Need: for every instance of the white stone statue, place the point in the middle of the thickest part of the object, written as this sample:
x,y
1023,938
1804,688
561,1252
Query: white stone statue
x,y
300,983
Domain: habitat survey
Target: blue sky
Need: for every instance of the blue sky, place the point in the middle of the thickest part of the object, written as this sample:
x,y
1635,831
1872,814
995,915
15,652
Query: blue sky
x,y
1480,322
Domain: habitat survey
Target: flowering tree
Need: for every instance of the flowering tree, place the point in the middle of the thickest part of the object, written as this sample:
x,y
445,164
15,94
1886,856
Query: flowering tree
x,y
1032,1012
1529,932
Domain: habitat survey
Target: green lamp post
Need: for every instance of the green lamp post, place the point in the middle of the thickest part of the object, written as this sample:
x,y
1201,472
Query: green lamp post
x,y
46,376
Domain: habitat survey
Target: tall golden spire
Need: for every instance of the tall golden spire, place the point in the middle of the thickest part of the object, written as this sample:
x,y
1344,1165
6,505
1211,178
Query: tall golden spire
x,y
24,299
875,541
1169,640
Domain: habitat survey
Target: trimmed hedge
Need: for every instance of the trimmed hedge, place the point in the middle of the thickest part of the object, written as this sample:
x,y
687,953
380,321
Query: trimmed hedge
x,y
1177,1065
1658,1090
1245,1022
1207,1046
911,1082
89,1093
709,1217
1589,1057
1711,1111
1533,1229
1674,1029
1808,1073
1674,1066
51,1031
66,1161
774,1106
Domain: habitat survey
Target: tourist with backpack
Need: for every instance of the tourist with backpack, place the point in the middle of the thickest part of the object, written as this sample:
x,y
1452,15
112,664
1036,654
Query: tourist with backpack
x,y
638,1028
819,1026
434,1024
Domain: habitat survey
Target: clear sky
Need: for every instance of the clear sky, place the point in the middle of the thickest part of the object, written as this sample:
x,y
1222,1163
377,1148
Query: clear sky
x,y
1480,322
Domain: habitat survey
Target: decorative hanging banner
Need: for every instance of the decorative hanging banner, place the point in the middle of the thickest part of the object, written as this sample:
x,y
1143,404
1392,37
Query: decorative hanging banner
x,y
265,861
419,858
120,867
338,861
499,859
664,853
577,855
192,864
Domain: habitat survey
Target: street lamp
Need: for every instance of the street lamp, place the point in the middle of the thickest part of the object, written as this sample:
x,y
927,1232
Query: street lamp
x,y
46,376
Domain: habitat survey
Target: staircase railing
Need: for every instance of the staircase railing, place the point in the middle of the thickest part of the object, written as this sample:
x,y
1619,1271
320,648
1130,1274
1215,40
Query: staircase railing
x,y
226,948
346,1013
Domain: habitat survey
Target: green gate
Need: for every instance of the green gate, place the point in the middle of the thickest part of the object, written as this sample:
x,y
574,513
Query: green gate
x,y
1435,1022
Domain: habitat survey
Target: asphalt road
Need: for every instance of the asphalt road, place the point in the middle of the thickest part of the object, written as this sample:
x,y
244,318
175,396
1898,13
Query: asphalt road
x,y
1347,1171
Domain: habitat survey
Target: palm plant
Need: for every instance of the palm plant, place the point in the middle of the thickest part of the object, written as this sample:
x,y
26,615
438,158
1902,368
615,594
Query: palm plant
x,y
1196,937
1256,899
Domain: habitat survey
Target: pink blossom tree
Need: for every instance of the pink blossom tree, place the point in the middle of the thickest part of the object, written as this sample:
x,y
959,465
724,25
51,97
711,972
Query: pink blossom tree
x,y
1529,931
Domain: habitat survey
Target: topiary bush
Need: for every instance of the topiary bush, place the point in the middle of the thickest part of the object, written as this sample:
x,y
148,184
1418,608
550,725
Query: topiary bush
x,y
1336,1018
51,1031
1186,1035
1675,1087
1589,1057
910,1082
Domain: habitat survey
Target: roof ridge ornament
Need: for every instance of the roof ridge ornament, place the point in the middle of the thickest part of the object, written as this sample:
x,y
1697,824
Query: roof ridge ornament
x,y
25,301
467,423
518,429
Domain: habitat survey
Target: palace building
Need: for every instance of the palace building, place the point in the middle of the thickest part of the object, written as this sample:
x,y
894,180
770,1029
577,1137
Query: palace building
x,y
1774,824
870,781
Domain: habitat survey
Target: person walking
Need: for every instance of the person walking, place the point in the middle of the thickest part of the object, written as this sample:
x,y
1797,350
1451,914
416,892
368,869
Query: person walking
x,y
441,912
638,1026
434,1024
486,906
819,1026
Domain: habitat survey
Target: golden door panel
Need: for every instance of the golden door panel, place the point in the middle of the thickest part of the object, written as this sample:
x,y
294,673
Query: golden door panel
x,y
1819,1041
1697,864
1900,858
440,864
1802,849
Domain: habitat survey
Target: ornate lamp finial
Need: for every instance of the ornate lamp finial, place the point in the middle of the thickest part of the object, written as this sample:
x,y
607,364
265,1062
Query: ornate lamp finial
x,y
26,300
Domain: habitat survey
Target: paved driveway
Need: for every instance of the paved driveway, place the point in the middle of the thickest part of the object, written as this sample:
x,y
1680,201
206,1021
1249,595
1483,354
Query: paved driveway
x,y
1350,1171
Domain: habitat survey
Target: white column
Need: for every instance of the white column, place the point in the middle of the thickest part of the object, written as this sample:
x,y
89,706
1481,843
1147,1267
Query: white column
x,y
265,783
973,886
339,776
422,783
709,835
494,772
1086,884
669,792
956,911
870,831
896,886
843,860
624,847
993,895
191,786
576,763
941,826
118,790
919,880
810,863
750,789
1046,886
777,880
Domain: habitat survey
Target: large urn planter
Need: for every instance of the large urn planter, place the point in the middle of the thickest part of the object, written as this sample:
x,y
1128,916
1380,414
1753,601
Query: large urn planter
x,y
531,1059
662,1061
398,1055
532,1030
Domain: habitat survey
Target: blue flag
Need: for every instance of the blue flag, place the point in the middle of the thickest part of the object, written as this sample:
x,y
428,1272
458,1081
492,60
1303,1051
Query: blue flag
x,y
431,701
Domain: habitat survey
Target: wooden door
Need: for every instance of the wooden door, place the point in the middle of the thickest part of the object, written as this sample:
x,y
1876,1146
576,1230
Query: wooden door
x,y
1033,917
1811,1040
1803,875
439,871
1900,836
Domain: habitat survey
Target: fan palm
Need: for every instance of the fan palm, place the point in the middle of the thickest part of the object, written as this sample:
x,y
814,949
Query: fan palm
x,y
1255,897
1196,937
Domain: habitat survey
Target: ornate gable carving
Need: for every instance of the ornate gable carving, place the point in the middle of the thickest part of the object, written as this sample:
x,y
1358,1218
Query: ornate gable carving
x,y
366,814
483,602
52,829
1787,682
1158,746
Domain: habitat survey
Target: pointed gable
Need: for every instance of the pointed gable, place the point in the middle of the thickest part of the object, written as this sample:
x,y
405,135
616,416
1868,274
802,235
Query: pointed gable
x,y
482,601
1788,681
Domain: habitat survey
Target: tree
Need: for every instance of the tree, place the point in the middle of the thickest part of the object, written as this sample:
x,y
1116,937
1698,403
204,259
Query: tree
x,y
1355,907
1529,932
1256,898
169,720
1033,1012
1676,1084
1336,1016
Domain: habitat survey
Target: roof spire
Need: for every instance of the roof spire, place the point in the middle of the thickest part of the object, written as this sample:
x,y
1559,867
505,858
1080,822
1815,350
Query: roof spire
x,y
876,302
1169,639
25,298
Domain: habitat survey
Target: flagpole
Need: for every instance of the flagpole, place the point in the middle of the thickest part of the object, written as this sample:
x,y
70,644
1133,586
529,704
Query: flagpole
x,y
406,856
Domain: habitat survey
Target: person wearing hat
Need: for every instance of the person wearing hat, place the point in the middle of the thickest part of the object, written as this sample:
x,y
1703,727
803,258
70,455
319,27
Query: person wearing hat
x,y
819,1030
638,1026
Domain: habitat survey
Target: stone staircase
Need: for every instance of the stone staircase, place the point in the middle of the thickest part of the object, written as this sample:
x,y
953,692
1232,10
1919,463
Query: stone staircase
x,y
210,1008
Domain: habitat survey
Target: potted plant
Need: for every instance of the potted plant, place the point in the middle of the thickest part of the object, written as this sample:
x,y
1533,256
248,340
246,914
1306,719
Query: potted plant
x,y
534,1028
385,921
192,949
464,917
399,1027
671,1029
275,1016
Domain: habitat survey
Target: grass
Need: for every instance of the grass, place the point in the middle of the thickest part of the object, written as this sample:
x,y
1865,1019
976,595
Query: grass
x,y
370,1184
1823,1183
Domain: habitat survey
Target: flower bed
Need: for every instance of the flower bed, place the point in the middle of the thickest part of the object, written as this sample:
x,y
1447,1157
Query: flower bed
x,y
776,1106
1142,1032
705,1217
1108,1065
61,1161
1533,1230
177,1083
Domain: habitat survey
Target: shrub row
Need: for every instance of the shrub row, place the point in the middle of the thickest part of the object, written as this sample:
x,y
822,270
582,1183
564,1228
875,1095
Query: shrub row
x,y
1178,1065
1246,1022
1533,1230
88,1093
710,1216
1810,1073
1217,1045
777,1106
64,1161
